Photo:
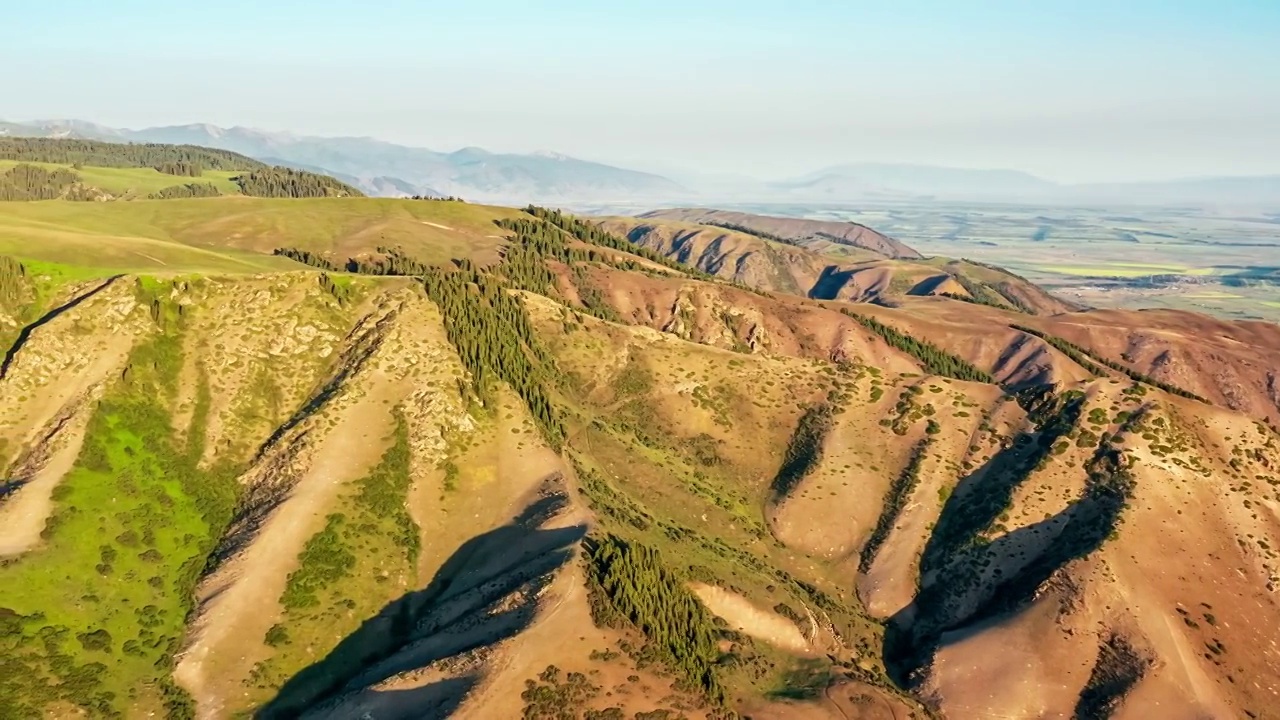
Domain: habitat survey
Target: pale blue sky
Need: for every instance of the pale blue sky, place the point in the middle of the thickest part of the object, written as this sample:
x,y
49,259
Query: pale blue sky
x,y
1081,90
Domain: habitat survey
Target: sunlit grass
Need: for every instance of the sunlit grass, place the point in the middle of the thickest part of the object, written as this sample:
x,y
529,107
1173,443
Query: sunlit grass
x,y
135,181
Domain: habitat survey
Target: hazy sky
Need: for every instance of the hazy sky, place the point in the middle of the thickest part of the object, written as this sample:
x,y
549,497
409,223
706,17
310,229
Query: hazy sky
x,y
1078,90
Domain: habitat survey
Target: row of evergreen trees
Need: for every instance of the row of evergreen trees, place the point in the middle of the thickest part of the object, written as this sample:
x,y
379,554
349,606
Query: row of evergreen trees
x,y
491,331
487,325
63,151
535,242
935,360
979,293
13,281
1090,361
485,322
306,257
439,198
747,230
593,235
187,190
631,585
182,168
900,491
280,182
30,182
391,261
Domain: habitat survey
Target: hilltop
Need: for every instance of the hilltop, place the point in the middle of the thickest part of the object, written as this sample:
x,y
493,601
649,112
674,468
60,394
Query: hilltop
x,y
338,457
47,169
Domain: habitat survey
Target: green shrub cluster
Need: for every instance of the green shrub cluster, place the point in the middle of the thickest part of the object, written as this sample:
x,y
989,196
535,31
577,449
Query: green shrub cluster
x,y
134,523
324,560
383,494
553,698
804,450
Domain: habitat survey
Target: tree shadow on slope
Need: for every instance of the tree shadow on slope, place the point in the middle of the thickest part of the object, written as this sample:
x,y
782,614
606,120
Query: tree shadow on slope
x,y
830,283
485,592
1118,668
983,581
982,496
804,450
25,334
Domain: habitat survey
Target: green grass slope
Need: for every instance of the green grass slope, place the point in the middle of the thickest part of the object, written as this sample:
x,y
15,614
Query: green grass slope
x,y
91,170
136,182
238,234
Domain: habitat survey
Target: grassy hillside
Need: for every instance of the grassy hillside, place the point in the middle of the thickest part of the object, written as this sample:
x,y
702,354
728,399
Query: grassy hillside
x,y
136,182
238,234
90,170
513,451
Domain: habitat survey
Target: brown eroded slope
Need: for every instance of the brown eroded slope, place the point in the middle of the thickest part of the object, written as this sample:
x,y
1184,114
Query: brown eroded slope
x,y
824,270
871,534
49,393
1221,361
793,229
1231,363
735,319
1010,562
295,481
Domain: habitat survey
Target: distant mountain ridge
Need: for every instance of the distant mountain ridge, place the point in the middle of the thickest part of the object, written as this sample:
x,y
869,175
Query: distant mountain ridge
x,y
901,181
915,180
383,168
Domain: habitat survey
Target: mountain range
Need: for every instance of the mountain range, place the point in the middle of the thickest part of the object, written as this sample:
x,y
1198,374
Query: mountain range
x,y
388,169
